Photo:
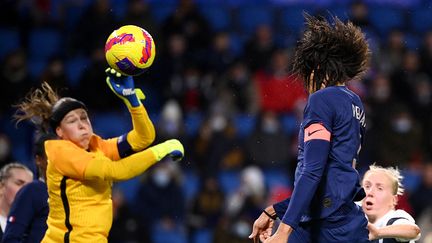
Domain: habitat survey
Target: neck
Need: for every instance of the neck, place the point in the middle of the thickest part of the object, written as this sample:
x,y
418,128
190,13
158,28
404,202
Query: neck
x,y
4,208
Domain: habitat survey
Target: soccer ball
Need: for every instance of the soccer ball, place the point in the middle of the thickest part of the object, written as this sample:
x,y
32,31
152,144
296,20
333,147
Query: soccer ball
x,y
130,50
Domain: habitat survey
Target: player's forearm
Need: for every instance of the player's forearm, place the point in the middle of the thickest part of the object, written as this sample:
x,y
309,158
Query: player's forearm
x,y
315,158
143,133
404,231
123,169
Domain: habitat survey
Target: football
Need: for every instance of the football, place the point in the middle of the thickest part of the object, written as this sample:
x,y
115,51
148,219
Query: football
x,y
130,50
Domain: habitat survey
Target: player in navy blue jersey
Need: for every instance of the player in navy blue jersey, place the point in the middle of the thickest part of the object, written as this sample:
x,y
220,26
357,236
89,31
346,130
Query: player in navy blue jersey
x,y
29,211
322,208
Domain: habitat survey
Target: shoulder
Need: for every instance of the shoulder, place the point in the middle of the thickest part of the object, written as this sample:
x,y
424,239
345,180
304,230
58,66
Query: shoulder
x,y
35,186
401,216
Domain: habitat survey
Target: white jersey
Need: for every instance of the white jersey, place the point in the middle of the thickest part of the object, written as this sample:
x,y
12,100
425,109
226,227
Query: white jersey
x,y
405,218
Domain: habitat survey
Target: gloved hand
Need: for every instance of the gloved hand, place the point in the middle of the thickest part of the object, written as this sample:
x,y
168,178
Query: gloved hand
x,y
172,148
123,87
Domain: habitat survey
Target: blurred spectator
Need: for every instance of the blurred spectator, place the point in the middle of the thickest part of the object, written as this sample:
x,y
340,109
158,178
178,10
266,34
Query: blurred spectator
x,y
220,56
404,78
426,53
389,56
268,145
160,199
421,198
359,14
217,146
400,139
207,207
260,47
93,82
94,27
188,21
55,75
139,13
236,91
243,206
279,91
126,227
170,124
422,108
5,150
15,79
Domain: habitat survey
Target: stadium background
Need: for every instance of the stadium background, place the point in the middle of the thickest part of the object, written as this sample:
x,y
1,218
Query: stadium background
x,y
220,84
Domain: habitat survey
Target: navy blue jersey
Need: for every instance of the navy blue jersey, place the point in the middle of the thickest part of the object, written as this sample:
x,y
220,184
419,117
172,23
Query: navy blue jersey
x,y
28,214
328,180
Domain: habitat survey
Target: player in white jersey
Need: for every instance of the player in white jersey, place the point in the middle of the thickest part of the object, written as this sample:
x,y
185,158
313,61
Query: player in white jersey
x,y
386,224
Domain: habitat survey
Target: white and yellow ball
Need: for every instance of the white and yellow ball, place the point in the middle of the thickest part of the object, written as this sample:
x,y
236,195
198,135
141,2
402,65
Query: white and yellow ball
x,y
130,50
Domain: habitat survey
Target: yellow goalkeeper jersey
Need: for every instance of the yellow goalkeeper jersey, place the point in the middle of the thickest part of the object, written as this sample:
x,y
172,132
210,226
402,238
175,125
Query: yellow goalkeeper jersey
x,y
81,207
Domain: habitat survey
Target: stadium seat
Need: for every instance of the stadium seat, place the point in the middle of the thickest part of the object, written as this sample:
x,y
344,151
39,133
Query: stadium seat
x,y
161,234
277,177
290,125
193,122
161,11
190,185
291,18
250,17
105,124
218,16
202,236
244,124
36,67
229,181
386,19
129,188
421,20
10,41
74,68
45,43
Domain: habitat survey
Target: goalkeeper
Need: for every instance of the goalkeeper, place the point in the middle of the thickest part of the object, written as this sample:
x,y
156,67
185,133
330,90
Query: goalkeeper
x,y
82,166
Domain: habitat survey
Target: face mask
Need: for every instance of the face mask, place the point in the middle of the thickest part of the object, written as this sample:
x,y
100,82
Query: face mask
x,y
270,126
161,178
402,125
218,123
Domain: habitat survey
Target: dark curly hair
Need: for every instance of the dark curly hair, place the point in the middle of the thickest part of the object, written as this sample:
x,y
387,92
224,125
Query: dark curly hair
x,y
333,52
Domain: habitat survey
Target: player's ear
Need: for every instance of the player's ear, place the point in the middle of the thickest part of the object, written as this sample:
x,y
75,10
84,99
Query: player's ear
x,y
395,200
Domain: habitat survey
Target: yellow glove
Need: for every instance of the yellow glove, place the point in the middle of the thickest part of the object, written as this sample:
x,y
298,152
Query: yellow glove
x,y
124,88
172,148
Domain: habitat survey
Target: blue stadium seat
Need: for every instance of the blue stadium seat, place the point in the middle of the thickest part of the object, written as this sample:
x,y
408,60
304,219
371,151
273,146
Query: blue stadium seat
x,y
190,185
421,20
250,17
292,20
129,188
193,122
161,11
202,236
36,67
386,19
244,124
218,16
173,235
106,124
277,177
45,43
290,125
229,181
74,69
73,15
10,41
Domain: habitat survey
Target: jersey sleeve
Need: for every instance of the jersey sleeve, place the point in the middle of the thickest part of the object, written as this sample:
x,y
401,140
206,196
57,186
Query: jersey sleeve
x,y
402,217
140,137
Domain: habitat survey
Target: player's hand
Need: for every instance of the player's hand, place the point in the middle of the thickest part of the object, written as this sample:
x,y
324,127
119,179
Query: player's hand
x,y
124,88
172,148
262,228
281,235
373,232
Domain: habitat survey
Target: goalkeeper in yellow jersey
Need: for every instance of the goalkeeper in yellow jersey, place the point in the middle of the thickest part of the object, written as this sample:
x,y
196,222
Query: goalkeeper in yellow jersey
x,y
82,166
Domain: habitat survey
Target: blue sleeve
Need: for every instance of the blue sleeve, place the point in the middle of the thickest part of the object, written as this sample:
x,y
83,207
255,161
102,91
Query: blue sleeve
x,y
281,207
315,157
21,214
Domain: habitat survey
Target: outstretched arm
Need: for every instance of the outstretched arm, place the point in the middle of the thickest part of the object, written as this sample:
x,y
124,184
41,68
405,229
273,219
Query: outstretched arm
x,y
143,133
401,231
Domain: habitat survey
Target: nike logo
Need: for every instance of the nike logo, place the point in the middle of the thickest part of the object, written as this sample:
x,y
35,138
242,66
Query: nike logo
x,y
310,133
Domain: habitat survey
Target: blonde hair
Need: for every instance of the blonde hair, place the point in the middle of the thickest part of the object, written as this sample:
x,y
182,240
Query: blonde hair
x,y
394,175
5,171
37,106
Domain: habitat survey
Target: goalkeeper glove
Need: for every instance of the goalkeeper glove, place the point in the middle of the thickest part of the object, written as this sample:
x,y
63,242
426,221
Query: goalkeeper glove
x,y
172,148
124,88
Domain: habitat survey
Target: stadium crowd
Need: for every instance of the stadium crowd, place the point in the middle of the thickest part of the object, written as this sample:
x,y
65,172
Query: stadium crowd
x,y
221,83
